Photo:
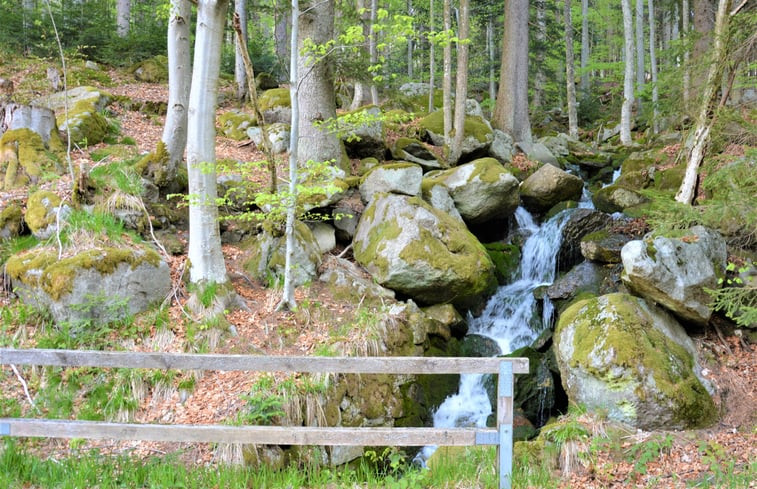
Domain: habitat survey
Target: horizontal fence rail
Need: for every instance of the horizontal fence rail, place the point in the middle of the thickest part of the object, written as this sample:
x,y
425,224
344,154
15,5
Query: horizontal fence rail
x,y
501,436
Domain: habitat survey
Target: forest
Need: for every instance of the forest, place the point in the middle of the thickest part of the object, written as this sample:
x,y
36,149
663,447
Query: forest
x,y
571,182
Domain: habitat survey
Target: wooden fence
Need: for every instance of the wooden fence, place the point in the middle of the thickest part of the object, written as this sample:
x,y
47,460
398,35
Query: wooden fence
x,y
501,436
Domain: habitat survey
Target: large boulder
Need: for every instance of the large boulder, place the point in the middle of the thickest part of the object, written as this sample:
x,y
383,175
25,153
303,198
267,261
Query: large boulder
x,y
580,223
83,119
501,147
40,120
278,136
268,256
234,123
603,246
676,272
11,221
398,178
25,157
363,133
548,186
538,152
483,190
44,211
438,196
616,198
634,361
408,149
419,251
151,70
96,285
276,106
477,138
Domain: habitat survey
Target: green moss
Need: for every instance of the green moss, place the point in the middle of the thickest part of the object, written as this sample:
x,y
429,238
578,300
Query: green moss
x,y
275,97
506,258
387,166
42,267
154,165
152,70
24,158
670,178
597,235
86,125
622,335
234,124
474,126
38,215
487,170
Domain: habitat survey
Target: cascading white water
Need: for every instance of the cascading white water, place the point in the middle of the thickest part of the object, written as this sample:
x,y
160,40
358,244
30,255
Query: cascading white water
x,y
510,319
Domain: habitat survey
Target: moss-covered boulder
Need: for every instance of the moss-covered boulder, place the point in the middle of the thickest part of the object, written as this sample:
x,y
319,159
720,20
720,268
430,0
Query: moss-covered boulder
x,y
278,136
580,223
483,190
618,354
275,105
151,70
398,178
93,286
362,132
234,123
676,272
438,196
85,122
414,249
25,158
548,186
43,210
267,256
413,150
616,198
506,259
603,246
477,139
265,81
11,221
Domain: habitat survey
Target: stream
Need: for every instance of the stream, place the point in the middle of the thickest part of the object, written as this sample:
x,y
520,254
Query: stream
x,y
511,318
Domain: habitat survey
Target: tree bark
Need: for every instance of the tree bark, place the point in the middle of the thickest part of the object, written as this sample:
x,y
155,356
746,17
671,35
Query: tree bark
x,y
585,47
685,11
569,73
490,51
447,76
410,44
625,112
179,83
287,298
281,40
541,39
653,68
704,124
373,48
461,81
123,17
362,94
640,69
240,76
316,86
511,109
431,59
205,257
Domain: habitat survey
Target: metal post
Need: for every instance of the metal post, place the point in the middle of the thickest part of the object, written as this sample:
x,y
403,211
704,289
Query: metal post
x,y
505,424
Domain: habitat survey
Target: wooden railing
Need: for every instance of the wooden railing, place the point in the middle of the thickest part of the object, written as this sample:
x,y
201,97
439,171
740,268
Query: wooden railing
x,y
501,436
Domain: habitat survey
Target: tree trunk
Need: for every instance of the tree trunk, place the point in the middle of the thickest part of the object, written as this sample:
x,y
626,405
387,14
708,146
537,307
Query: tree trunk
x,y
625,112
281,40
287,298
653,68
640,69
373,48
704,21
461,81
541,40
490,51
362,94
686,68
511,109
585,47
316,85
447,76
240,76
123,17
410,44
431,59
704,124
179,82
569,73
205,257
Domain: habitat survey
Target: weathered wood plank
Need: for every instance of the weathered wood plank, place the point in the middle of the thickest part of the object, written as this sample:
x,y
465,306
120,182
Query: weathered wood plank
x,y
268,435
186,361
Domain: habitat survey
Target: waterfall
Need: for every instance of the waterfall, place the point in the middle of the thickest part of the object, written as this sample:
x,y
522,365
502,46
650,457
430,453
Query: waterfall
x,y
510,318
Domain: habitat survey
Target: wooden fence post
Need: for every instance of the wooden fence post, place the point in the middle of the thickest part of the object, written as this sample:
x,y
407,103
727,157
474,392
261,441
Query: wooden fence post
x,y
505,424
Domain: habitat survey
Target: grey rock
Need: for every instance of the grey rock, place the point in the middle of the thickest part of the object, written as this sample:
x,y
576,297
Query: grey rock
x,y
501,147
548,186
325,235
414,89
267,256
580,223
399,178
675,273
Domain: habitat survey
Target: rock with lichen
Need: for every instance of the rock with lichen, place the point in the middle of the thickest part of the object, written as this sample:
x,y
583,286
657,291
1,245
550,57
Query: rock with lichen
x,y
421,252
483,190
25,158
92,286
79,112
11,221
44,211
633,360
477,138
549,186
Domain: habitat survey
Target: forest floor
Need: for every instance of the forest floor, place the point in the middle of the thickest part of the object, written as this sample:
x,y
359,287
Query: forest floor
x,y
681,460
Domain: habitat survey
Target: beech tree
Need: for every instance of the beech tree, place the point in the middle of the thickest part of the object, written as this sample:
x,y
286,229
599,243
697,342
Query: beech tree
x,y
123,17
639,52
461,81
447,76
240,75
585,46
207,266
625,111
570,73
511,109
